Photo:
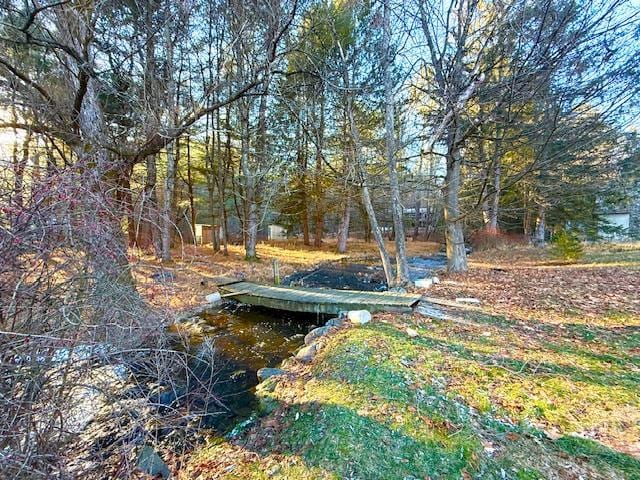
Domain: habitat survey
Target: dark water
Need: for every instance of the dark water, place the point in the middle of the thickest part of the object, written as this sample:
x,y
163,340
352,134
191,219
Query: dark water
x,y
427,266
244,340
363,275
352,276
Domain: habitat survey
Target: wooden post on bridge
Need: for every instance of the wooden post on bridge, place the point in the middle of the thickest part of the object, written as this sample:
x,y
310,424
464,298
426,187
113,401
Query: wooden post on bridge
x,y
276,272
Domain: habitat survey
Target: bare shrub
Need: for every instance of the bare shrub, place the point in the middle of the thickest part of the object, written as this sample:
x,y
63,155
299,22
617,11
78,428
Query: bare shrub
x,y
85,363
485,240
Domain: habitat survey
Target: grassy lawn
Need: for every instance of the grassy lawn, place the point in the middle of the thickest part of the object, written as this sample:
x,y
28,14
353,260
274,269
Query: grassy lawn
x,y
503,391
454,402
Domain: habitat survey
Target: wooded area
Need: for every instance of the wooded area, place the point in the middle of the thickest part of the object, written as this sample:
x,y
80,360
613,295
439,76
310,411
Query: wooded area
x,y
132,128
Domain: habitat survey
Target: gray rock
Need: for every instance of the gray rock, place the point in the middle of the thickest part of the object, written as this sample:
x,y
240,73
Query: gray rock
x,y
315,334
214,297
150,462
424,282
306,354
359,317
429,310
335,322
265,373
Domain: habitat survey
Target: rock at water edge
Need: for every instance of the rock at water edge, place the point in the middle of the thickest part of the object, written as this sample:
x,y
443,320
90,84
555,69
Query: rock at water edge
x,y
265,373
335,322
359,317
315,334
150,462
306,354
214,297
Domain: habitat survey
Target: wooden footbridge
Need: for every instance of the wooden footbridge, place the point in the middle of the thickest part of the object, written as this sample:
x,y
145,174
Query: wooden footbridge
x,y
314,300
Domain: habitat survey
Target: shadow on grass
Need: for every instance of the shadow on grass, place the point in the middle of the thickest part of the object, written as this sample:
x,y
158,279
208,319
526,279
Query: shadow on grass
x,y
629,380
351,445
336,441
367,419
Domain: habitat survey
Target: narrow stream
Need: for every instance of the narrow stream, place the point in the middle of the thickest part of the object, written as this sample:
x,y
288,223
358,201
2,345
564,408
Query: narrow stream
x,y
245,340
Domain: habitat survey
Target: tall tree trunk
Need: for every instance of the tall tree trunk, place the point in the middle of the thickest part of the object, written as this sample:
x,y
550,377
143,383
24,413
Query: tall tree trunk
x,y
402,267
250,227
220,178
148,224
486,208
126,200
454,234
366,196
148,235
222,185
100,214
192,208
319,210
541,228
495,199
166,221
211,183
302,186
345,220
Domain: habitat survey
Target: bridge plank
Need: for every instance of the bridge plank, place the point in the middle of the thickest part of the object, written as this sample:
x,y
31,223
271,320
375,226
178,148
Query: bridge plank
x,y
317,300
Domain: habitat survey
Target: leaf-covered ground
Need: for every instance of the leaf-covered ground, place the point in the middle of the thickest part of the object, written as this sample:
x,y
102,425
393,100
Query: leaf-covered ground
x,y
542,380
523,283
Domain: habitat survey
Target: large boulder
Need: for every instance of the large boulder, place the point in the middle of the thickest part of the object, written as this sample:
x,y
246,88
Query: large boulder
x,y
265,373
315,334
359,317
306,354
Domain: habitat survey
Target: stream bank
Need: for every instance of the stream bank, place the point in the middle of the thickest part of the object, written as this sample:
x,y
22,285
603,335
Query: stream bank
x,y
401,399
244,339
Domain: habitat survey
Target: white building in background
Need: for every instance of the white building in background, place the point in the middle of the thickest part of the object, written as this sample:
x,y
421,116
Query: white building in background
x,y
276,232
619,220
624,218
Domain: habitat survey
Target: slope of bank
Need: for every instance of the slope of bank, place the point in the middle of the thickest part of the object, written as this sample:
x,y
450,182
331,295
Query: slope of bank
x,y
408,397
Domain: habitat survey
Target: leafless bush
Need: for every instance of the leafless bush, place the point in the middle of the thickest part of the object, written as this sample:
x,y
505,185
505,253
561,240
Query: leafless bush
x,y
87,373
487,240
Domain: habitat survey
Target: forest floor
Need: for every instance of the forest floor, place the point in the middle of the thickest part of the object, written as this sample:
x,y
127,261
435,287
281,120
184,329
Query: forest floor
x,y
539,380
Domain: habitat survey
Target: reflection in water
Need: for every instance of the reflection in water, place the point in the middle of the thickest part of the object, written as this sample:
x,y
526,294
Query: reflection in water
x,y
245,340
